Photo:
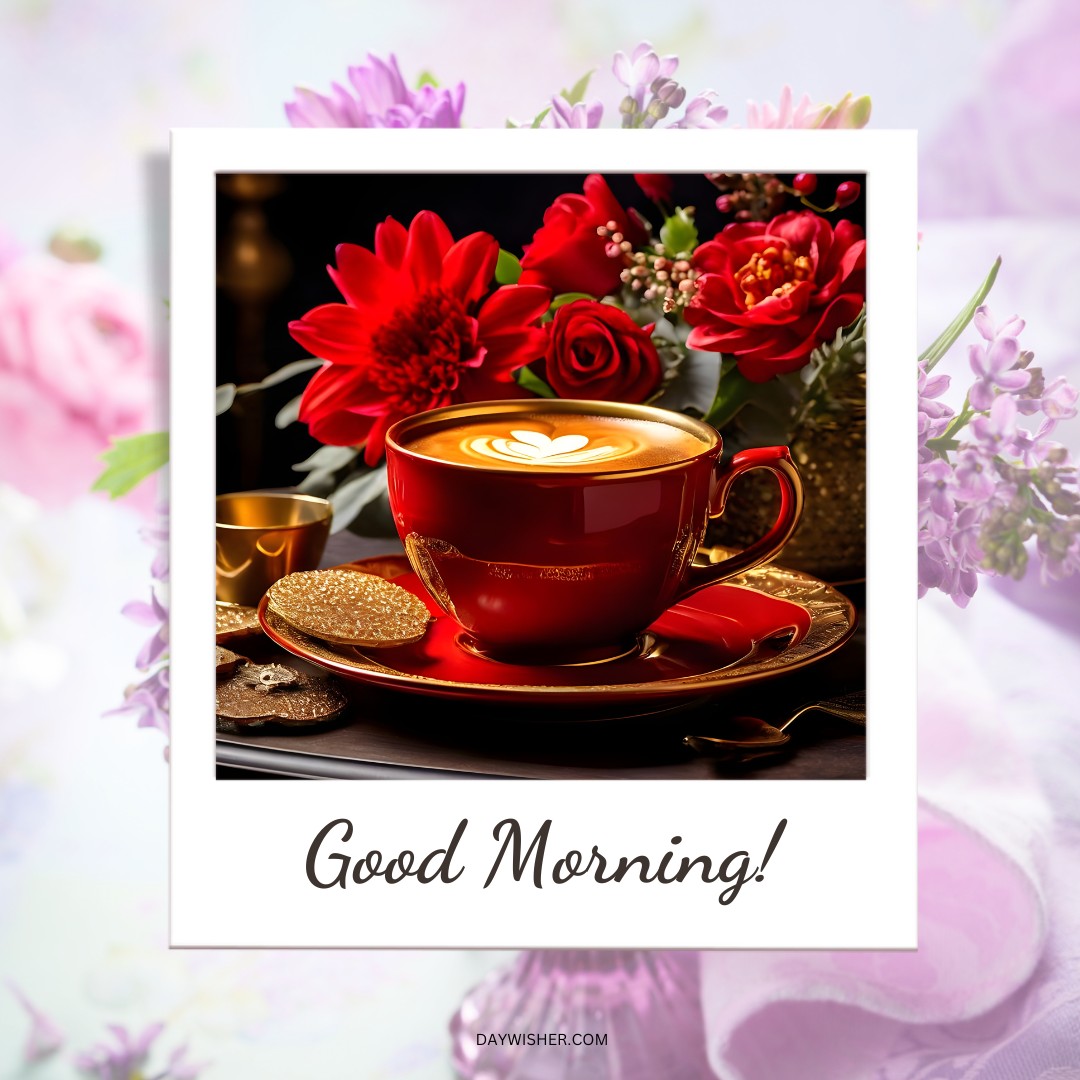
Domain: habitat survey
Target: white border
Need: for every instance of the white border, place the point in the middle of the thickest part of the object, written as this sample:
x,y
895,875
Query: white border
x,y
844,875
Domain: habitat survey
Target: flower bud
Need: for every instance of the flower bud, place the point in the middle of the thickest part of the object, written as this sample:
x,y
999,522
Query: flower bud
x,y
805,183
847,193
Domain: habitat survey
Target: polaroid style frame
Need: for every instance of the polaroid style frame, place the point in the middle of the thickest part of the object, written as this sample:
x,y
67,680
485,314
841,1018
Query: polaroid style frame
x,y
843,874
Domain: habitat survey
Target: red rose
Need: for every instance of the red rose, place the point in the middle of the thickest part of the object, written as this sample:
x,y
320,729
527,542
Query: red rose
x,y
567,254
418,330
598,352
771,293
657,186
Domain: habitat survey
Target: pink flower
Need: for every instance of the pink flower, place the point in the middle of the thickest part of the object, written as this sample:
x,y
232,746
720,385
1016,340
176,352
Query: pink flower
x,y
10,248
44,1037
848,112
378,98
75,370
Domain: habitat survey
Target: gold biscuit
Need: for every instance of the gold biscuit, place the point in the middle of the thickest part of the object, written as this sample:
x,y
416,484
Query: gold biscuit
x,y
227,661
235,621
348,607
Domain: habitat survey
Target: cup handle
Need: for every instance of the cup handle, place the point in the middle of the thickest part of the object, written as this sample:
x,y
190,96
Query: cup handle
x,y
777,459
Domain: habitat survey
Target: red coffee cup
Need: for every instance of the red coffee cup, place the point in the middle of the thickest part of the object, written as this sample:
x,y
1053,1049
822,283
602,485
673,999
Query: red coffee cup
x,y
557,565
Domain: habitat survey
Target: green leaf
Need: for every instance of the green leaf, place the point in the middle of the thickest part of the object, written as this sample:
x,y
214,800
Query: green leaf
x,y
226,395
327,458
538,119
288,413
528,380
693,386
297,367
507,268
426,79
679,234
949,335
355,494
568,298
130,461
576,92
733,391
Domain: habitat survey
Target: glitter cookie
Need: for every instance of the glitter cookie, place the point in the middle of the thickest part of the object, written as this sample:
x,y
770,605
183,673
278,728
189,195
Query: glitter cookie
x,y
348,607
235,621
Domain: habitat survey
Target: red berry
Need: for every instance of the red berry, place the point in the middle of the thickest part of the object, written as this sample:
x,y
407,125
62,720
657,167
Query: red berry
x,y
804,183
847,193
723,204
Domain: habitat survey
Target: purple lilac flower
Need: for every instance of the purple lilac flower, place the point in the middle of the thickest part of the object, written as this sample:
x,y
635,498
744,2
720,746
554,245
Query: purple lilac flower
x,y
583,114
126,1056
148,700
974,479
121,1059
987,485
702,112
1057,402
44,1037
996,362
996,431
937,507
652,93
934,416
637,72
378,98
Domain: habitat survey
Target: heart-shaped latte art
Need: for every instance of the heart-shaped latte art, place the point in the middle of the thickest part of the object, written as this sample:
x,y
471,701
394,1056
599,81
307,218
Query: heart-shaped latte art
x,y
537,448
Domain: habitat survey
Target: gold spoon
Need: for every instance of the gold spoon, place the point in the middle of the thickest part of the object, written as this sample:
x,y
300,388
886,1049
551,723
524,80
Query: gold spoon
x,y
749,738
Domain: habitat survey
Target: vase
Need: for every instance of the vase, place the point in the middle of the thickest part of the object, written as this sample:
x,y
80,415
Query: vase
x,y
644,1006
830,451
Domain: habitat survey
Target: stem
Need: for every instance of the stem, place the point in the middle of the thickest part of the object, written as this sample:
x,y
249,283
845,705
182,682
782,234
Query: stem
x,y
958,421
806,202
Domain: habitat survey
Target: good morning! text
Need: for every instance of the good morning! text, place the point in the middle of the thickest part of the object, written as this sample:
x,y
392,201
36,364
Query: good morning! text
x,y
524,856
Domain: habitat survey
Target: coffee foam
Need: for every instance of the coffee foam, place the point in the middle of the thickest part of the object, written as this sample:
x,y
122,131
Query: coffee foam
x,y
558,442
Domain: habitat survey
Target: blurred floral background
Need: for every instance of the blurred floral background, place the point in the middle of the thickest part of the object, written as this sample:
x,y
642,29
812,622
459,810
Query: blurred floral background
x,y
93,87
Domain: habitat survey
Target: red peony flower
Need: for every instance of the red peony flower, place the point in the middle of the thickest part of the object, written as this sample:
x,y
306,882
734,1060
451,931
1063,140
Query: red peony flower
x,y
567,254
771,293
598,352
415,332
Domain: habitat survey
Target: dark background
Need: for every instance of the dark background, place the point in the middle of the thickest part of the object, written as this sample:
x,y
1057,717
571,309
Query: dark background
x,y
276,234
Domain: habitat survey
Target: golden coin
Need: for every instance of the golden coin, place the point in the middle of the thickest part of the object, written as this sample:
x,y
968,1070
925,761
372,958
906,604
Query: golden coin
x,y
235,621
348,607
258,694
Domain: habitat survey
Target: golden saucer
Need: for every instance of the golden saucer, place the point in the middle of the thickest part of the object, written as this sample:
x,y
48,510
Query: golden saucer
x,y
762,624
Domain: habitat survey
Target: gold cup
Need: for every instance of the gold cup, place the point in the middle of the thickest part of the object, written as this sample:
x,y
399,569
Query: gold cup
x,y
264,535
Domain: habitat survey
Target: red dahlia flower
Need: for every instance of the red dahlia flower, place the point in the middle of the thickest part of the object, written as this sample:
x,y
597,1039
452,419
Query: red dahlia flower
x,y
415,332
769,294
567,254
